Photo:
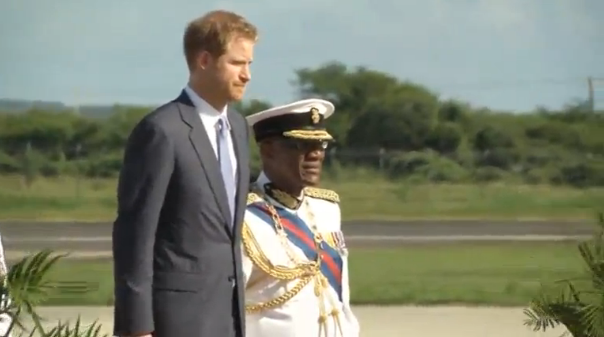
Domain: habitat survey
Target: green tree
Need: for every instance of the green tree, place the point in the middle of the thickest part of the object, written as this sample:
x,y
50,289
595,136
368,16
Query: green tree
x,y
378,117
373,108
247,108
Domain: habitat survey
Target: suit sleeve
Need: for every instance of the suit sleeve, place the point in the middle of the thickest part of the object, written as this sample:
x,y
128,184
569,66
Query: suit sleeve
x,y
146,171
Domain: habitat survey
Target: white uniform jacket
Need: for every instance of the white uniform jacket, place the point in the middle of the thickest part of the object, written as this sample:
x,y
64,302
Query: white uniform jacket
x,y
291,291
5,318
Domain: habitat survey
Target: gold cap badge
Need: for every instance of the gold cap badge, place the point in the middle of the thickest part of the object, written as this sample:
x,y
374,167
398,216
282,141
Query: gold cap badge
x,y
314,115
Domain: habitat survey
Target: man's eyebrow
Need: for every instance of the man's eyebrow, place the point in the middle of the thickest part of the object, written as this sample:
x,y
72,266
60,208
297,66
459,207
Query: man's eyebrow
x,y
242,60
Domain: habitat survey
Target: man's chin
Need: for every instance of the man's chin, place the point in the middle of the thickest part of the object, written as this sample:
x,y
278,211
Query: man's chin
x,y
311,181
237,95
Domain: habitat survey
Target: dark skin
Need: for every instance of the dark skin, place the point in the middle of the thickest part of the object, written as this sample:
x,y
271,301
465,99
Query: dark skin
x,y
292,164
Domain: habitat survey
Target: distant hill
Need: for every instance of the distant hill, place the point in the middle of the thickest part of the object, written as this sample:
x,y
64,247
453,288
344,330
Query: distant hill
x,y
19,106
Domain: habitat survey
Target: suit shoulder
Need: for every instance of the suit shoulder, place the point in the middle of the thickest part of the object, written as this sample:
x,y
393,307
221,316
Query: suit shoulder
x,y
162,115
323,194
161,119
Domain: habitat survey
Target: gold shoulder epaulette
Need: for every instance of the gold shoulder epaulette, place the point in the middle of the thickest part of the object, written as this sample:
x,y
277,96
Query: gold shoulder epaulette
x,y
321,193
253,197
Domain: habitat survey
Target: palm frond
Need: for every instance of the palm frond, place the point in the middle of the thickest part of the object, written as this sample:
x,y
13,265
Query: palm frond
x,y
66,329
592,253
27,285
547,312
580,311
592,320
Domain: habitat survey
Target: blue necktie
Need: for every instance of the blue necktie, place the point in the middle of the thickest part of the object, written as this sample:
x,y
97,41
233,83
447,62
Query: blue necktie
x,y
226,166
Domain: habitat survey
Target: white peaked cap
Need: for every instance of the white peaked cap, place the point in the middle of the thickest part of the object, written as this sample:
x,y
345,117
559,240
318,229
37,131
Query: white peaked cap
x,y
302,119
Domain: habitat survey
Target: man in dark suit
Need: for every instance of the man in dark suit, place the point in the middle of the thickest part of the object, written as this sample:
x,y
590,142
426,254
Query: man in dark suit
x,y
182,193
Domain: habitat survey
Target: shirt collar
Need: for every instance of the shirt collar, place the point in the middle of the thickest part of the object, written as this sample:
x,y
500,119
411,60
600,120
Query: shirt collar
x,y
205,109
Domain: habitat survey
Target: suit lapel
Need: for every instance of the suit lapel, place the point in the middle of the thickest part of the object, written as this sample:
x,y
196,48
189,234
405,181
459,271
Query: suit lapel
x,y
240,144
238,134
207,158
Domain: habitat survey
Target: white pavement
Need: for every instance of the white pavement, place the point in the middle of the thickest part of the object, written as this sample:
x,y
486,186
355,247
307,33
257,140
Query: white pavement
x,y
384,321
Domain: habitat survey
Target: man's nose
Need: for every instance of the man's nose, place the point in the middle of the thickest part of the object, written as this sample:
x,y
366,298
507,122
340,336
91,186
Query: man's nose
x,y
245,75
315,154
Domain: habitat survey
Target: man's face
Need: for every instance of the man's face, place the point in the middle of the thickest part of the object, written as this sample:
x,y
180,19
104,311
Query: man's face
x,y
298,161
231,71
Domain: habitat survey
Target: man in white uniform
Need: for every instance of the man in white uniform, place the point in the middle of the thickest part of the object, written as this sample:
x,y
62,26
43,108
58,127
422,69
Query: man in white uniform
x,y
5,318
294,255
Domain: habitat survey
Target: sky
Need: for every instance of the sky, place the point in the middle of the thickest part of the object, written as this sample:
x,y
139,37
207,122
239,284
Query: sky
x,y
502,54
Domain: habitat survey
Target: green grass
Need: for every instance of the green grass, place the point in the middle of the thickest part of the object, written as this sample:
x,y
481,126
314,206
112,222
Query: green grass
x,y
497,274
481,274
363,197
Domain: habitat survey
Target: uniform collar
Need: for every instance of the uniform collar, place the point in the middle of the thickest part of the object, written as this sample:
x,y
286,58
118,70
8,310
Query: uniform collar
x,y
267,187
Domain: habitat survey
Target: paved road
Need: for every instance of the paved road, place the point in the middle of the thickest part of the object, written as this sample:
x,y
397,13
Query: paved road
x,y
96,237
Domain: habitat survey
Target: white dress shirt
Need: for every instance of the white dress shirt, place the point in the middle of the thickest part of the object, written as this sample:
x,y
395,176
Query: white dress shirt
x,y
209,117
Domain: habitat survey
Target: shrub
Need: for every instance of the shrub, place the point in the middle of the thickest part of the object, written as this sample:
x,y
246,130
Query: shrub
x,y
426,166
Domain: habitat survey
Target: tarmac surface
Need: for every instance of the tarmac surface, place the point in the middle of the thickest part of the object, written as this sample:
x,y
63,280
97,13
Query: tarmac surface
x,y
94,240
95,237
395,321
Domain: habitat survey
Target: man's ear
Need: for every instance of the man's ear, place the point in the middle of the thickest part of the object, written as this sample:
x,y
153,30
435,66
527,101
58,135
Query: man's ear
x,y
204,59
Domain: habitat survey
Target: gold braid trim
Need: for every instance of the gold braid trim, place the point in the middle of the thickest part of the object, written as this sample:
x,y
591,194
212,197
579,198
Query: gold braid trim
x,y
255,253
309,134
321,193
279,301
305,272
283,198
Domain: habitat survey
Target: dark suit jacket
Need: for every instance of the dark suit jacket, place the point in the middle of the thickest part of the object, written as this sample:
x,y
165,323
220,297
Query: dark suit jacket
x,y
177,260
